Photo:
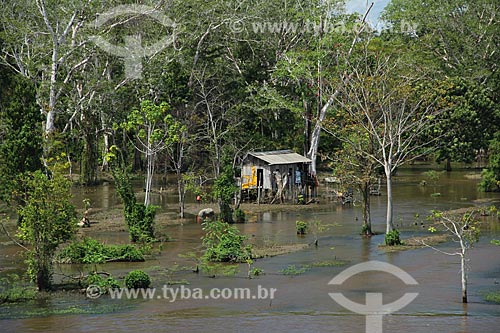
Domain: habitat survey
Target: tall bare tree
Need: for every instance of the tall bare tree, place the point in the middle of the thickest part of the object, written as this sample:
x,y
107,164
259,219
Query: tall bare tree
x,y
385,106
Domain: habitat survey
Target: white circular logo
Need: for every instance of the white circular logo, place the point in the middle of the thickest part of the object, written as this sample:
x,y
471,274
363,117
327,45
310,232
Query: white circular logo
x,y
93,291
374,309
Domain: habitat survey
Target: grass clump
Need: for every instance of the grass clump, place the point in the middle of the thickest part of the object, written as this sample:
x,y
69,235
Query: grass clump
x,y
293,270
493,297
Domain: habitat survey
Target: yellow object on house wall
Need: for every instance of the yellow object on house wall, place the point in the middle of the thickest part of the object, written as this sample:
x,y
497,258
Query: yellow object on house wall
x,y
249,181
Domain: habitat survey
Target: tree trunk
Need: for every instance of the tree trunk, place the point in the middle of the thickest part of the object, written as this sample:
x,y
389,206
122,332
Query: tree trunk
x,y
149,177
182,193
43,275
105,136
389,222
367,223
51,112
90,154
448,164
307,124
464,279
226,213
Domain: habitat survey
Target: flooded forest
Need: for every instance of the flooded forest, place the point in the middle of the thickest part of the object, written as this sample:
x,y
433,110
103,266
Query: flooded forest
x,y
296,166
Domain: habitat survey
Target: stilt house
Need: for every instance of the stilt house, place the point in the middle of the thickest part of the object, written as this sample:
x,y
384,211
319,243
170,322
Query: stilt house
x,y
275,175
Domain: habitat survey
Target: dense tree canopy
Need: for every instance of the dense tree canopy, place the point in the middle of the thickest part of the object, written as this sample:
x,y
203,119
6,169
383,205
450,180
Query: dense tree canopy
x,y
241,76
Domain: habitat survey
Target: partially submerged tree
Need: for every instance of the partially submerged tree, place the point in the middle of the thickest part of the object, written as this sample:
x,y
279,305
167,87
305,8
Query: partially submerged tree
x,y
138,217
47,219
464,231
490,177
356,170
155,130
224,190
386,106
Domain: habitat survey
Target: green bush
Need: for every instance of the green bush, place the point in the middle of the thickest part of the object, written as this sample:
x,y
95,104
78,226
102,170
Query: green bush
x,y
139,218
140,221
256,271
490,177
392,238
301,227
91,251
104,283
137,279
489,182
224,243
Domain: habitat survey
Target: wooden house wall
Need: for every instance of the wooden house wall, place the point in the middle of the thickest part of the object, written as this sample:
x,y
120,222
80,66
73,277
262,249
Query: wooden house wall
x,y
249,173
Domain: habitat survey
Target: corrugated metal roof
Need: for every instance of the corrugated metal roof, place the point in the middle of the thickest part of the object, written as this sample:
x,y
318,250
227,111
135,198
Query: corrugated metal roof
x,y
280,157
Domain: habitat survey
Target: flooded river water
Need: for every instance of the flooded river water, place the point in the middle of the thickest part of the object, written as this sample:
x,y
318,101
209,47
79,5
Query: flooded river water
x,y
301,302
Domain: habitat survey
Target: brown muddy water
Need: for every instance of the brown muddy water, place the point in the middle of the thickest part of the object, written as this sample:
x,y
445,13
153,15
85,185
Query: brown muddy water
x,y
301,302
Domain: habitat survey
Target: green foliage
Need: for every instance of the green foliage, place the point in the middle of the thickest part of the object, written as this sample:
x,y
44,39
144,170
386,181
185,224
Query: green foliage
x,y
446,41
433,175
140,221
489,181
464,228
256,271
91,251
392,238
493,297
490,177
224,189
224,243
214,269
365,229
316,228
155,130
13,290
292,270
301,227
153,125
328,263
138,217
239,215
495,242
103,282
20,132
137,279
47,220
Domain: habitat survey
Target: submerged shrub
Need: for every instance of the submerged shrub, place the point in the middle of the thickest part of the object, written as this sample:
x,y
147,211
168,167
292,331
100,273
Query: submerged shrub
x,y
392,238
137,279
224,243
103,282
91,251
301,227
